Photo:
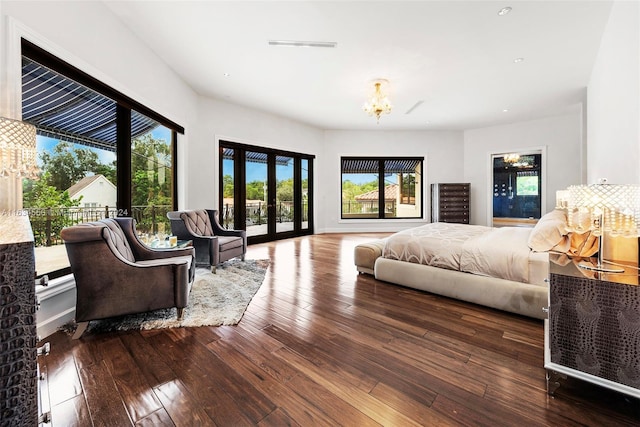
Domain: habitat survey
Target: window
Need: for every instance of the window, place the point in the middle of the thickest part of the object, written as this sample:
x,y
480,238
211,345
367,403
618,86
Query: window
x,y
381,188
407,188
527,183
100,154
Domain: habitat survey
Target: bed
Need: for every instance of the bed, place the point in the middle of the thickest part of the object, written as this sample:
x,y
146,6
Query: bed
x,y
505,268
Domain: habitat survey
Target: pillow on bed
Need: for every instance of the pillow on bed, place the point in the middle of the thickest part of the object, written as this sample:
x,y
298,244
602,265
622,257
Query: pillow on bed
x,y
550,233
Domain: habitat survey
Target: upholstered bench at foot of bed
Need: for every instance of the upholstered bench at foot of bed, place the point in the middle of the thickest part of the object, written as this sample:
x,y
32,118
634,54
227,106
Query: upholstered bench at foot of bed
x,y
366,254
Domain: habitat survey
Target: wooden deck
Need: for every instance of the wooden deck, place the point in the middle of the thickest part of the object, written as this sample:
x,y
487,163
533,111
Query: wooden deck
x,y
321,345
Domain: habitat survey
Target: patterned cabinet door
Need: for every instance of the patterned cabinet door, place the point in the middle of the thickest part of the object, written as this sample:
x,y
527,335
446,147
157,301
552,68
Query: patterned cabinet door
x,y
594,327
18,360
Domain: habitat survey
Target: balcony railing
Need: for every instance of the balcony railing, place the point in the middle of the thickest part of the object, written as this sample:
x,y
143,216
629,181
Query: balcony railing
x,y
47,222
257,213
367,207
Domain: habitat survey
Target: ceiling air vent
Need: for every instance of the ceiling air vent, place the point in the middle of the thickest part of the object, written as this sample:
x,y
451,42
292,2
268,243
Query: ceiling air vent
x,y
296,43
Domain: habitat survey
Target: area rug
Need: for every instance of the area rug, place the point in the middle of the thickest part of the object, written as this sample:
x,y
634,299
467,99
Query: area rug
x,y
215,299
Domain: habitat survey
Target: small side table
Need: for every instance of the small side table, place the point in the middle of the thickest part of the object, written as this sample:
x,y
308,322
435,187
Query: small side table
x,y
164,244
593,329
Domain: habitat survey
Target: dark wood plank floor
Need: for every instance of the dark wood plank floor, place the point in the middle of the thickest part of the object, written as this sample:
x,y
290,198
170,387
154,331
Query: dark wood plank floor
x,y
322,345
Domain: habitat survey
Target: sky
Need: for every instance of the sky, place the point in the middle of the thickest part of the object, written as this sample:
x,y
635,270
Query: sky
x,y
46,144
258,171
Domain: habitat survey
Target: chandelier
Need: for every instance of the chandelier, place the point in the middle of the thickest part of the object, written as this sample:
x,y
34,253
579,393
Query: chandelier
x,y
378,103
17,149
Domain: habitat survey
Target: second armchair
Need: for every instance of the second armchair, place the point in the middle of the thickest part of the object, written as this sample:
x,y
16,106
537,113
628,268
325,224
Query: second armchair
x,y
213,243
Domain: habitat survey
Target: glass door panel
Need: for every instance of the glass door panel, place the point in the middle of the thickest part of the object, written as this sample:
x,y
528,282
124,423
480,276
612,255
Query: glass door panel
x,y
284,194
304,177
152,176
256,194
228,188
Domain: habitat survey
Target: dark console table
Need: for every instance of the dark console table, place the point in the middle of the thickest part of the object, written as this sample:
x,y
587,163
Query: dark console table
x,y
18,351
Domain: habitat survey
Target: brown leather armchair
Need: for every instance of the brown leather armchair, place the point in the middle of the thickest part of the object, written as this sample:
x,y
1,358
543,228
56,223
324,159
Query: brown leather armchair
x,y
214,244
116,274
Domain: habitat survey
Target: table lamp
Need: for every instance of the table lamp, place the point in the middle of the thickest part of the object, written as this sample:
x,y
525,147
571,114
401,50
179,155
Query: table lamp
x,y
602,209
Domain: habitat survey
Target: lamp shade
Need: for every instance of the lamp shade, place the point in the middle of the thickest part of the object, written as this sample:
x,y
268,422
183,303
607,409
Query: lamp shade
x,y
17,149
611,208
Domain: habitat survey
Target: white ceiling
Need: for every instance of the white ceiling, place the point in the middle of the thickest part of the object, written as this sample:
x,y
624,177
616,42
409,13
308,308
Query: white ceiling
x,y
456,56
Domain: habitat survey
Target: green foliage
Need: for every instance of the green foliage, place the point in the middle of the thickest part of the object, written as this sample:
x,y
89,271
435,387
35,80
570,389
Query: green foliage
x,y
227,186
67,165
255,191
527,185
151,180
284,190
39,194
350,189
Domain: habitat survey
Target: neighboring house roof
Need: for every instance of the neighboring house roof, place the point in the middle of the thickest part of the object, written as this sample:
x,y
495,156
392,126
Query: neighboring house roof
x,y
390,193
84,183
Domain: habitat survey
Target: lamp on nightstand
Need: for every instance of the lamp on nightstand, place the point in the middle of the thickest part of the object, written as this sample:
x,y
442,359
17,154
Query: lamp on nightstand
x,y
602,209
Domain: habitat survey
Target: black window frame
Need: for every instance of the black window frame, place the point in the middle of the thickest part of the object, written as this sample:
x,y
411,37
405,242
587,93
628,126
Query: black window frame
x,y
125,105
380,171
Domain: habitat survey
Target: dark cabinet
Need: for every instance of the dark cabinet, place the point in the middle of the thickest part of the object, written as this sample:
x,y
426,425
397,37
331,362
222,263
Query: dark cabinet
x,y
450,202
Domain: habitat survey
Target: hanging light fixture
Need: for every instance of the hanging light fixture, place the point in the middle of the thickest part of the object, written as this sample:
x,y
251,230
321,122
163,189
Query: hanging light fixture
x,y
378,103
17,149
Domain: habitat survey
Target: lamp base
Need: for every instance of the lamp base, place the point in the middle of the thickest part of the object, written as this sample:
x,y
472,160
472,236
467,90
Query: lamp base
x,y
600,267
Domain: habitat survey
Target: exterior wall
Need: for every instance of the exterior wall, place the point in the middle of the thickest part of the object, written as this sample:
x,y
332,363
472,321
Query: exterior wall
x,y
562,138
101,192
613,116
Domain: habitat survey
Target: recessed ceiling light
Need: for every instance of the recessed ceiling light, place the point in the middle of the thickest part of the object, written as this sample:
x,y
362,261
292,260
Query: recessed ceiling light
x,y
504,11
505,111
295,43
518,60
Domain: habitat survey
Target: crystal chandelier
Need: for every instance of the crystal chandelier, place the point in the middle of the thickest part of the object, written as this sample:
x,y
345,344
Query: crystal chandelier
x,y
378,103
17,149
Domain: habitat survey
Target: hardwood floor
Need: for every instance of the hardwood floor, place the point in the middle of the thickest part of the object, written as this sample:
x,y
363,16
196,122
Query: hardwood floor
x,y
321,345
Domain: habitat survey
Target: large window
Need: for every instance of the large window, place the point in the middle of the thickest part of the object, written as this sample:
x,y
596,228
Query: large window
x,y
100,154
381,188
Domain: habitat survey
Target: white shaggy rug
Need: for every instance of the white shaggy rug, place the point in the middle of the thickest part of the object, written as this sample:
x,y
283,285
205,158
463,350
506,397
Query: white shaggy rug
x,y
215,299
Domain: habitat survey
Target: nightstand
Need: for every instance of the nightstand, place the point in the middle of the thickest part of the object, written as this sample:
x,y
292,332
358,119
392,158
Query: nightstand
x,y
593,329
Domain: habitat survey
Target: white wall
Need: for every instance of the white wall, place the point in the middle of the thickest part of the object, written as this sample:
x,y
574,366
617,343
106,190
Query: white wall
x,y
101,192
613,114
562,137
230,122
443,153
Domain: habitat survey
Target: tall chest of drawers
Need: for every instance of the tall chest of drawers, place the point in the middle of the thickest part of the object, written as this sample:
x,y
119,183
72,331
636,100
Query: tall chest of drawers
x,y
450,202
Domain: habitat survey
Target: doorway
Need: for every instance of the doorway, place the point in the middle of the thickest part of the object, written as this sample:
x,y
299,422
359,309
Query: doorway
x,y
517,188
266,192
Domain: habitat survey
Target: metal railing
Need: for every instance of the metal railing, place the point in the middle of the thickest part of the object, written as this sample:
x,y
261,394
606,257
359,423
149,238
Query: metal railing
x,y
256,213
48,222
367,207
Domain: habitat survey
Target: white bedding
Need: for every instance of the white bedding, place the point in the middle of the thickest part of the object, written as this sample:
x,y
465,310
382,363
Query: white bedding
x,y
495,252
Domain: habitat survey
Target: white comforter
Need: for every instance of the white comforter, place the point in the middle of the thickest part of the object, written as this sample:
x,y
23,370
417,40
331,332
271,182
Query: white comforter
x,y
496,252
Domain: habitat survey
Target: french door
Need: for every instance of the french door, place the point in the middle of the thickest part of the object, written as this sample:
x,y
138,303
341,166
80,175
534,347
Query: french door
x,y
265,191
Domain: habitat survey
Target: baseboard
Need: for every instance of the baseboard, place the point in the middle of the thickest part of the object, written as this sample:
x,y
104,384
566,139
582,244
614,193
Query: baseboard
x,y
57,305
52,324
